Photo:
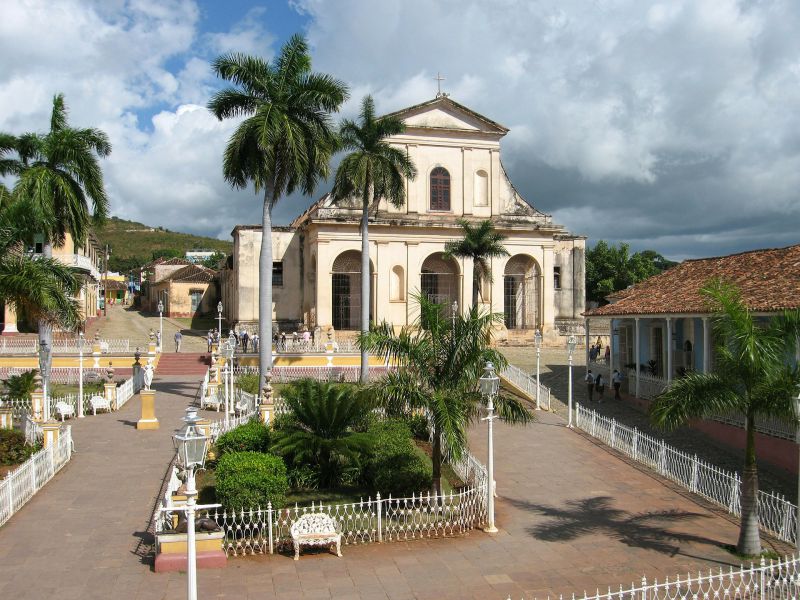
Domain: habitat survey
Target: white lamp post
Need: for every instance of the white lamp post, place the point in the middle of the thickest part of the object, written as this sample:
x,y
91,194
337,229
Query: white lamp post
x,y
192,445
219,317
229,380
796,409
80,374
571,343
489,386
44,363
537,340
160,325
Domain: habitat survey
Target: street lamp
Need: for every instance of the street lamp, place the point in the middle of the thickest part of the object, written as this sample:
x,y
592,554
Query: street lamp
x,y
571,343
44,364
489,386
537,340
80,374
231,350
160,325
191,445
219,317
796,409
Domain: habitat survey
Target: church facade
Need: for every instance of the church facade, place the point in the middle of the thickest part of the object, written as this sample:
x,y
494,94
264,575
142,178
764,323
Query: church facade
x,y
317,266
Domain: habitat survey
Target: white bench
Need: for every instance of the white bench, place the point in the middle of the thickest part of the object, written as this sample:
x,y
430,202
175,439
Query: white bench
x,y
65,410
315,529
99,403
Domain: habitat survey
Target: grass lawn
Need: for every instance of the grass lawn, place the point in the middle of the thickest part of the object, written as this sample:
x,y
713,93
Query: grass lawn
x,y
62,389
204,323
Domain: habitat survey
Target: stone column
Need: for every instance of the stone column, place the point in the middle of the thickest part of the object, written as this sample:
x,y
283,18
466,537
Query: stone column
x,y
6,418
110,388
37,399
10,320
96,350
50,433
611,348
669,350
706,345
267,406
588,341
636,353
148,420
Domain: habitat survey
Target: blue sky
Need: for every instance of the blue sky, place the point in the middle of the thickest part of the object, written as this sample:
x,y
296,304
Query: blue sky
x,y
671,125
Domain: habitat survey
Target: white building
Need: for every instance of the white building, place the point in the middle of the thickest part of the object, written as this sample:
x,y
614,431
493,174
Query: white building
x,y
456,151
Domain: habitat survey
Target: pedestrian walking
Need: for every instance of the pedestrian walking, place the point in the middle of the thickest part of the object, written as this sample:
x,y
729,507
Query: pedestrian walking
x,y
590,385
254,341
600,387
210,340
245,340
178,340
158,339
616,381
608,353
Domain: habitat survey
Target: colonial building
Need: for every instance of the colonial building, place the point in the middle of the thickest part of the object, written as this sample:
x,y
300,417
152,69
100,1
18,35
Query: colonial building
x,y
187,292
317,265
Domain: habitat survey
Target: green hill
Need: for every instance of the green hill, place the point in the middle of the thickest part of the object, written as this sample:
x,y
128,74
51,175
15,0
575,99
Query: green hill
x,y
134,244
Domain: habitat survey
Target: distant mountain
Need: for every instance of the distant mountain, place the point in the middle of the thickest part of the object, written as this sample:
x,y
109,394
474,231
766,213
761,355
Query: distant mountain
x,y
134,244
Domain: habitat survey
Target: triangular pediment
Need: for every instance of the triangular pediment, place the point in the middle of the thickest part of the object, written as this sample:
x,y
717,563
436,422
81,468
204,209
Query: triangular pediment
x,y
444,113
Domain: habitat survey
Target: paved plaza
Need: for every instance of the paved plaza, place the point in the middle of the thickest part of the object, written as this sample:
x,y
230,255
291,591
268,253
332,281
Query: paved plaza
x,y
571,516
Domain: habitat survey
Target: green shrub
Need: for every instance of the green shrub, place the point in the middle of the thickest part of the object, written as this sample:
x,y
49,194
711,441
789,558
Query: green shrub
x,y
250,480
419,427
248,382
303,477
250,437
13,449
283,422
396,466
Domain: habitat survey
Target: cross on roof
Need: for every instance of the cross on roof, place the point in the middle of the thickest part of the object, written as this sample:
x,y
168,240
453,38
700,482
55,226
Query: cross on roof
x,y
439,79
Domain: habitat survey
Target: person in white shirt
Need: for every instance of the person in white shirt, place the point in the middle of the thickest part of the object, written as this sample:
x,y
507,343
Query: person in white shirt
x,y
590,385
616,380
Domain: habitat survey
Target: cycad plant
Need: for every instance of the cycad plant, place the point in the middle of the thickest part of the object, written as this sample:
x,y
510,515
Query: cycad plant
x,y
481,243
438,370
20,387
752,375
322,432
373,170
283,144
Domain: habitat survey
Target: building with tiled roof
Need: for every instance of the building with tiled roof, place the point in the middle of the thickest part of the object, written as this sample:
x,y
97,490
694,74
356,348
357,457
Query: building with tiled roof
x,y
661,326
188,291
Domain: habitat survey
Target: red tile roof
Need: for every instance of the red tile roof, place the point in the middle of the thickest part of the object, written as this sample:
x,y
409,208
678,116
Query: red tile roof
x,y
192,274
769,281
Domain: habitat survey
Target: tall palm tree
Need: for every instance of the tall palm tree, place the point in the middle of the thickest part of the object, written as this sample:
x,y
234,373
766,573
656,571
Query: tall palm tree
x,y
751,376
284,143
439,368
58,177
481,243
373,170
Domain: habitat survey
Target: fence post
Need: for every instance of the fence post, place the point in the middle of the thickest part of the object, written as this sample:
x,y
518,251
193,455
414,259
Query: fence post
x,y
380,516
613,433
10,491
644,588
662,458
734,490
594,424
762,568
635,444
269,526
33,474
694,474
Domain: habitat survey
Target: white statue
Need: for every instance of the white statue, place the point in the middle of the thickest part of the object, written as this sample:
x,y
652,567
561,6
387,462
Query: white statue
x,y
148,375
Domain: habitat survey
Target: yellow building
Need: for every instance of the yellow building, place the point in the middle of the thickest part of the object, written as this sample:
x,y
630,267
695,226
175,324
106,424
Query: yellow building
x,y
86,259
187,292
317,264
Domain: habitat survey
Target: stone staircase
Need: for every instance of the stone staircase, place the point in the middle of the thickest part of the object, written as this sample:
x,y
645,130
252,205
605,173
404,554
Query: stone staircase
x,y
183,363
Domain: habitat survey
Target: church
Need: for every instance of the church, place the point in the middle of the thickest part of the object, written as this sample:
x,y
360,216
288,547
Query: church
x,y
460,175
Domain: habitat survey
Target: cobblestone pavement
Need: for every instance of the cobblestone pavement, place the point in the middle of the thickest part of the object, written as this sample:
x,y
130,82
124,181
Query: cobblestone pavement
x,y
571,516
553,371
126,322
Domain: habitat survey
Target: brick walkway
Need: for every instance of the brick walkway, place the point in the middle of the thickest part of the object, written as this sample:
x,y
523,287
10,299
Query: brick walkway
x,y
571,517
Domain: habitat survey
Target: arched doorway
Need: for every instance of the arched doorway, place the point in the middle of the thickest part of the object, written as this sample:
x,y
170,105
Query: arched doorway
x,y
346,291
521,293
439,280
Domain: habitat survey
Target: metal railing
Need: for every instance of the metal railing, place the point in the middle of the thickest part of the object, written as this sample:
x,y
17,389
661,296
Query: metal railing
x,y
778,580
23,482
30,345
81,262
527,384
777,516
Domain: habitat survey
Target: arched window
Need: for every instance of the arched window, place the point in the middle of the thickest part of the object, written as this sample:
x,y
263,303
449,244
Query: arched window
x,y
397,284
440,189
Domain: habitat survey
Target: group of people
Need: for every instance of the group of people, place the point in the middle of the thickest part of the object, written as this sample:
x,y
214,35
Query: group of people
x,y
243,340
596,349
596,383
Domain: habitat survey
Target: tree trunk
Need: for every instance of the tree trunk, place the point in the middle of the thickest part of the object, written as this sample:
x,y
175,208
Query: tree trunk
x,y
437,461
46,336
265,292
366,280
749,541
475,290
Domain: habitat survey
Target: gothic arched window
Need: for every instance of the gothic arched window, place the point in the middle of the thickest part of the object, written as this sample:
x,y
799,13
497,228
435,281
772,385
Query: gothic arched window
x,y
440,189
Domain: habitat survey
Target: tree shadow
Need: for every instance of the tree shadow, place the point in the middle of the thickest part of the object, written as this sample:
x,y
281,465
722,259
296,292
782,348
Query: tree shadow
x,y
597,515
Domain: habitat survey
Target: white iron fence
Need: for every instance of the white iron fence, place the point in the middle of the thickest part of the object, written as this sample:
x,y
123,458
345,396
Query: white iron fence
x,y
66,375
23,482
777,515
527,384
299,346
341,374
778,580
30,345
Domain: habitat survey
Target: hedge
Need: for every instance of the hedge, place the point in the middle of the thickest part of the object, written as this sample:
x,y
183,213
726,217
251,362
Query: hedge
x,y
13,449
397,466
251,480
250,437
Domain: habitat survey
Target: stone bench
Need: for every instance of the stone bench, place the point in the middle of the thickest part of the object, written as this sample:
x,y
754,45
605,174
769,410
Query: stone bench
x,y
315,529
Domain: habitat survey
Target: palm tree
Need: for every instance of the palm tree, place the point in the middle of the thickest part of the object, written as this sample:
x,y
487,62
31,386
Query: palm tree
x,y
751,376
481,243
41,288
283,144
440,365
58,176
373,170
321,432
